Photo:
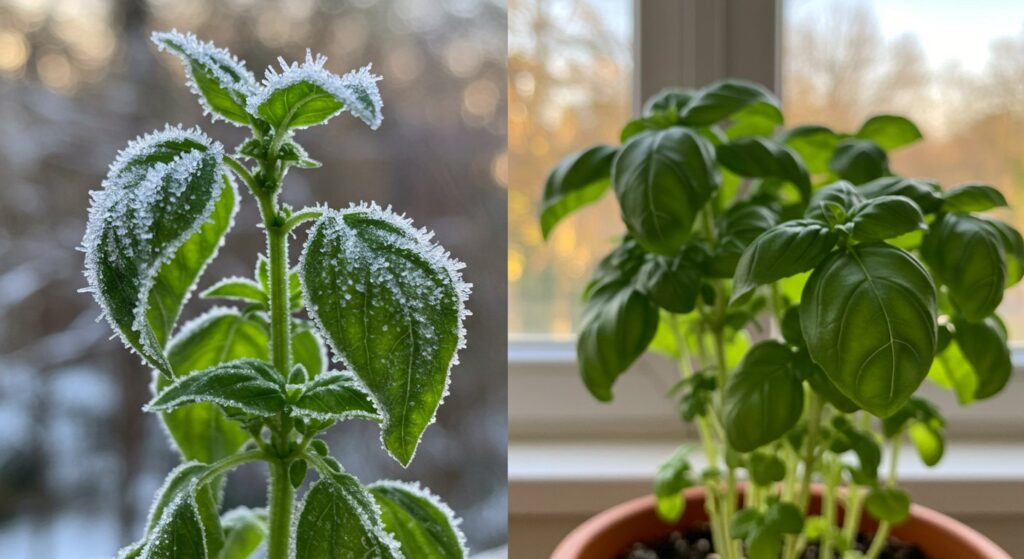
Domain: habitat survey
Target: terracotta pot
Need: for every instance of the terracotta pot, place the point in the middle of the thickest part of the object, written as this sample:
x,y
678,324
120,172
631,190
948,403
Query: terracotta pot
x,y
608,534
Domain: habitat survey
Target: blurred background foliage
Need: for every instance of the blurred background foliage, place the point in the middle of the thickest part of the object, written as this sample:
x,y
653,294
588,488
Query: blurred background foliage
x,y
78,79
955,68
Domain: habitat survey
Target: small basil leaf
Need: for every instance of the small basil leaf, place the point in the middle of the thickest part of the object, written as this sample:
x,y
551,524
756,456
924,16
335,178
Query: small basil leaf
x,y
424,526
673,283
202,431
972,198
391,305
179,534
1013,246
740,101
888,504
967,254
297,472
868,315
839,194
672,477
784,250
738,227
766,469
335,396
668,101
305,95
244,531
814,144
217,77
764,397
339,518
237,289
951,371
925,194
662,180
984,347
247,384
885,217
859,161
163,210
578,180
763,158
889,131
928,441
619,323
186,513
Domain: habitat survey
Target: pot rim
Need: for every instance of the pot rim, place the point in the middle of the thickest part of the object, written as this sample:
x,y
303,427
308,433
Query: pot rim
x,y
634,509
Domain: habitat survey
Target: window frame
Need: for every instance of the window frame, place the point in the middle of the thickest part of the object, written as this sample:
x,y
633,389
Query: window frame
x,y
688,43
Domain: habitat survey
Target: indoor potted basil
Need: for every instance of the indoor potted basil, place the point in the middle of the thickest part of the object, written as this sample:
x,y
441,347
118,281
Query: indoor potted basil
x,y
252,382
857,286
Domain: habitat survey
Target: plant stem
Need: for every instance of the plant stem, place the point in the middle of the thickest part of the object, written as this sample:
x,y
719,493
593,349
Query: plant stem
x,y
280,344
279,508
881,537
815,409
228,463
833,473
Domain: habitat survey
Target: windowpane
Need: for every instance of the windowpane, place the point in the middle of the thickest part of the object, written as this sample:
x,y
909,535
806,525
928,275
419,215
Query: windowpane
x,y
570,83
956,71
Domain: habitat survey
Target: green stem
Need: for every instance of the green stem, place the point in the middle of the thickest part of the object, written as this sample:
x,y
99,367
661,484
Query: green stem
x,y
242,173
280,323
829,507
881,537
300,217
279,508
229,463
815,409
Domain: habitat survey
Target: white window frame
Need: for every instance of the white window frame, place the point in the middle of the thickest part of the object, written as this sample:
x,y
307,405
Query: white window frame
x,y
689,43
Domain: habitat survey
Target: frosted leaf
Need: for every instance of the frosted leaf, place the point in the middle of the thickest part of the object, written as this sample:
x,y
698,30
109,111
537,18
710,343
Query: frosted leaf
x,y
423,524
184,521
237,289
335,396
250,385
216,76
366,268
244,531
159,218
304,95
339,518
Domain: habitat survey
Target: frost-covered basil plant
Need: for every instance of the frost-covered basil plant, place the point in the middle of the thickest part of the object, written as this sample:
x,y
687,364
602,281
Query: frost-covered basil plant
x,y
806,293
252,382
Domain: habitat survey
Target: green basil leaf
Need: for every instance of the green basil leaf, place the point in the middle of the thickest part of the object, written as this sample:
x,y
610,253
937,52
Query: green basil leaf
x,y
819,381
868,315
237,289
578,180
951,371
766,469
668,101
391,305
335,396
972,197
889,131
297,472
1013,246
888,504
740,101
833,203
638,126
928,441
619,323
662,180
738,227
859,161
305,95
967,255
307,348
160,216
925,194
202,431
885,217
815,145
620,266
244,531
187,514
250,385
763,158
178,535
764,397
784,250
984,347
339,518
423,525
673,283
672,477
217,77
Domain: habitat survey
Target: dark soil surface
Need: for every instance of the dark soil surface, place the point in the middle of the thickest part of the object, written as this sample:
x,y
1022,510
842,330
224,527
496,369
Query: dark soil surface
x,y
696,544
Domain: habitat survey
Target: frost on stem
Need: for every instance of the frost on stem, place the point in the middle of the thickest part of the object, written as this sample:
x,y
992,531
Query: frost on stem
x,y
217,77
391,303
161,191
303,95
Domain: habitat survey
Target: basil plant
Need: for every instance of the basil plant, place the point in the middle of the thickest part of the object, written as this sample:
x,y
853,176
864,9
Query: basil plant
x,y
805,291
251,381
